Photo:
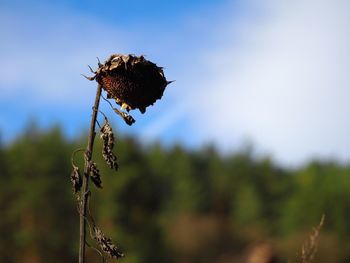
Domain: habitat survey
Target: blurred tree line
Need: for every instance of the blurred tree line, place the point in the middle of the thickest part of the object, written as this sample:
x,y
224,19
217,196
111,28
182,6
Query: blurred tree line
x,y
169,204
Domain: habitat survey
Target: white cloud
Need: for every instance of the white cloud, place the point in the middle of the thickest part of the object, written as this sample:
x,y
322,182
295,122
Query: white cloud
x,y
281,79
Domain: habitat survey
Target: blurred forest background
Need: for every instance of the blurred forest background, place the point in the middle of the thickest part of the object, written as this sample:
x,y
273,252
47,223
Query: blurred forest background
x,y
169,204
274,73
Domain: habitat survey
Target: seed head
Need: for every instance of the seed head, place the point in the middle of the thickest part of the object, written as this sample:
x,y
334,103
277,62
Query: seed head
x,y
134,82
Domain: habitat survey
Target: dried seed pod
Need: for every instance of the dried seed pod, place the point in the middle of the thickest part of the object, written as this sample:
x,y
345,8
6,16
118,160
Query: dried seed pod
x,y
106,244
107,137
95,175
134,82
76,180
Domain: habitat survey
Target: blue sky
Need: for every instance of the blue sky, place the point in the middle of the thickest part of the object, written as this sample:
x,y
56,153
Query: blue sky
x,y
271,73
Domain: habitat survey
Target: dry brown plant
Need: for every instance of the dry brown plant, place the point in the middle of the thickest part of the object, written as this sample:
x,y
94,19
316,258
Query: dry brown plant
x,y
133,83
310,246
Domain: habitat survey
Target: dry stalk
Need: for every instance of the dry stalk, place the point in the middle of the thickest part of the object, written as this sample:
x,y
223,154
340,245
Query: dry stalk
x,y
85,187
309,248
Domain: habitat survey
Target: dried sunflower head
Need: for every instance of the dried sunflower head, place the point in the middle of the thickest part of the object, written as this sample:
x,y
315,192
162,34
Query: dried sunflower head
x,y
134,82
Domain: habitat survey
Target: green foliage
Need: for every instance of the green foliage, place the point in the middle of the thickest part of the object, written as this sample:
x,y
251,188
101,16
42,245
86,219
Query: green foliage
x,y
167,205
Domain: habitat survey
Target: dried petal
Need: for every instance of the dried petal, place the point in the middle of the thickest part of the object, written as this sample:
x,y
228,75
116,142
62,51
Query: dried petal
x,y
106,244
76,180
95,175
107,137
129,119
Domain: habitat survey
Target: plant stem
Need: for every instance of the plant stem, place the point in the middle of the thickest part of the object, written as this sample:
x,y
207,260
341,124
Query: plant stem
x,y
85,189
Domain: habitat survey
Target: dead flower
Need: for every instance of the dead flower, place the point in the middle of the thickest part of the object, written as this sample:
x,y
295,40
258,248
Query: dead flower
x,y
134,82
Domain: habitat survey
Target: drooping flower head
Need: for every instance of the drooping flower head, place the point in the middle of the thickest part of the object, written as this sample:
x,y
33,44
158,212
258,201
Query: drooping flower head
x,y
134,82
